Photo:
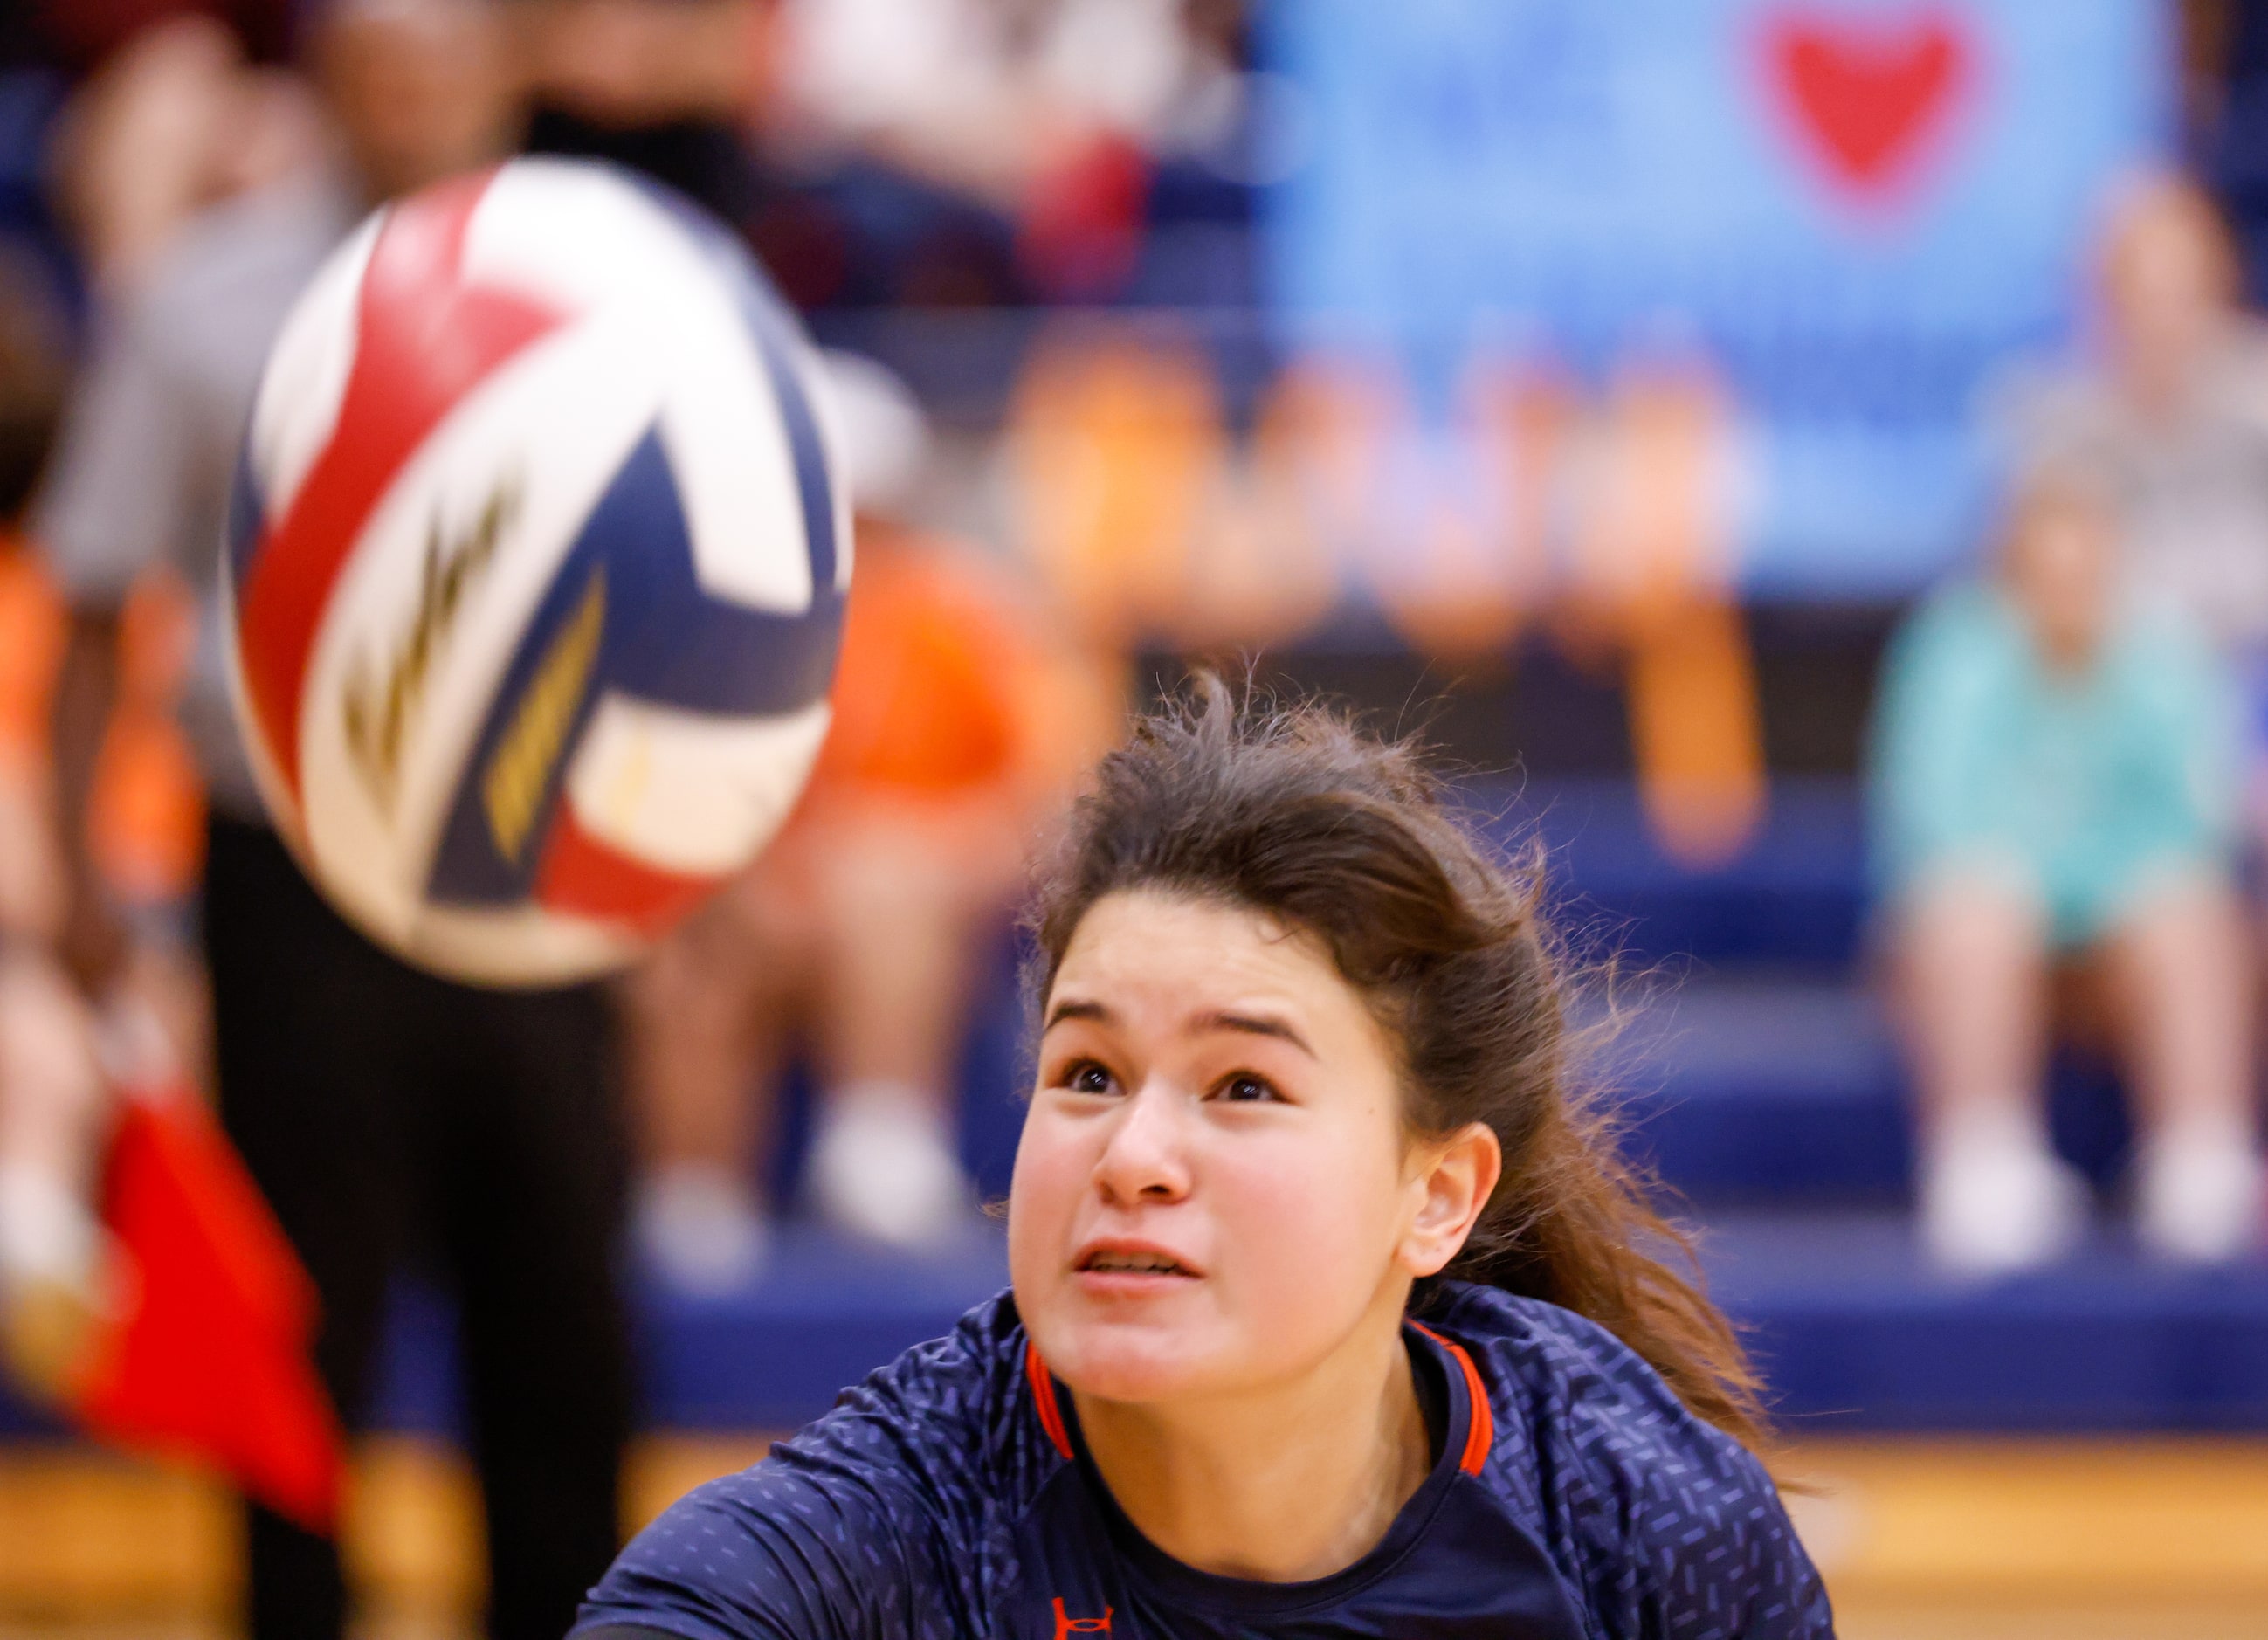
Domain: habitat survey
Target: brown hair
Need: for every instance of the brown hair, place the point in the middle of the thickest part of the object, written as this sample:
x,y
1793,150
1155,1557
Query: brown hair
x,y
1299,814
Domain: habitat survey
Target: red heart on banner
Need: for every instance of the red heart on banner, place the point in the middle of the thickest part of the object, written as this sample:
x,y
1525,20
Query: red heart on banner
x,y
1866,93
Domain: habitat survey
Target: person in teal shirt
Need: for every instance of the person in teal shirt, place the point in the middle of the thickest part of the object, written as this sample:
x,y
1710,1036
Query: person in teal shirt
x,y
2054,765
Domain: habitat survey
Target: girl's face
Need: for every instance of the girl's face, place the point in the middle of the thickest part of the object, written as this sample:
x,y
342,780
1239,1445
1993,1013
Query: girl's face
x,y
2058,563
2169,284
1214,1190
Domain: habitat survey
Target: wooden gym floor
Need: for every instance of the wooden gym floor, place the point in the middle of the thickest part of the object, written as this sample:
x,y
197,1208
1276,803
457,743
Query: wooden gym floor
x,y
1920,1539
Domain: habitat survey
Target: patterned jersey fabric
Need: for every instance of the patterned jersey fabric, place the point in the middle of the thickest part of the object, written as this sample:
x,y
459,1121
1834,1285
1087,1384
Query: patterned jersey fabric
x,y
949,1496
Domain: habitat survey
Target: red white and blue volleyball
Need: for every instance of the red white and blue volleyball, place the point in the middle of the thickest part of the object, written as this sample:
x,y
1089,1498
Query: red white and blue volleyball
x,y
537,564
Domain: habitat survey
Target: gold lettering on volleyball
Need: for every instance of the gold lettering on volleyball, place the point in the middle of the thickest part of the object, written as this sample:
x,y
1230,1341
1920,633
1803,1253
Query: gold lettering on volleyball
x,y
512,789
378,716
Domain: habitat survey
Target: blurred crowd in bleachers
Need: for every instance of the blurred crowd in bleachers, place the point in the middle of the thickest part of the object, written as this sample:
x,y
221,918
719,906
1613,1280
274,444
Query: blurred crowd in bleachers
x,y
1031,237
1044,212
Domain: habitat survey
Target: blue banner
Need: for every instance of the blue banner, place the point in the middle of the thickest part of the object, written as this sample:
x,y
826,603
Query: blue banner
x,y
1858,211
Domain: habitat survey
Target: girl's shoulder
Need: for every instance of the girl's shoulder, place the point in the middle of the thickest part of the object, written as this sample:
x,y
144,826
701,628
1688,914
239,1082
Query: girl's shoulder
x,y
1562,1375
956,1405
1644,1505
885,1511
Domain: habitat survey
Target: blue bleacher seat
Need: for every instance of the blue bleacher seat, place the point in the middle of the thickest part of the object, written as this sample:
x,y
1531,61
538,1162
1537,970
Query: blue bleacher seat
x,y
1854,1332
1772,1090
1793,899
1747,1090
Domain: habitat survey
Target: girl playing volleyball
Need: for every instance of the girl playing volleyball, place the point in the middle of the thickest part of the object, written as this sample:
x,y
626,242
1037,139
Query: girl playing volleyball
x,y
1330,1315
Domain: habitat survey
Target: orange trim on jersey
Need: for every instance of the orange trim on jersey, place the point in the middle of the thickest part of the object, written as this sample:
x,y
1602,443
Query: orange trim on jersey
x,y
1044,1397
1480,1432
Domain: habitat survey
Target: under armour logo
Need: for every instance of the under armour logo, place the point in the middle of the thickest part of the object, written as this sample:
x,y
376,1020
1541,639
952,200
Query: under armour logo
x,y
1067,1625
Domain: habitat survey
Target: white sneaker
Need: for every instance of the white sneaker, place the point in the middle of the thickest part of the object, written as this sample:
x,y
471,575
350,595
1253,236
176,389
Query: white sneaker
x,y
701,1228
2198,1199
883,1168
1996,1206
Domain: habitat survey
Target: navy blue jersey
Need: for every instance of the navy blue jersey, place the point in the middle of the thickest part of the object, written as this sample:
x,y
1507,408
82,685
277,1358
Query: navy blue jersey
x,y
949,1497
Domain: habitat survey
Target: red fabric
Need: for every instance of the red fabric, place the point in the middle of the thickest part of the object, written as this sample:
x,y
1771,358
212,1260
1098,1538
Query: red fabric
x,y
425,338
208,1358
1081,233
1480,1431
1043,1397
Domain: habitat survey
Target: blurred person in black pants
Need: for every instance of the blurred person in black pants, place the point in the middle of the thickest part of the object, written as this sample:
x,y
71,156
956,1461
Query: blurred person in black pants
x,y
391,1117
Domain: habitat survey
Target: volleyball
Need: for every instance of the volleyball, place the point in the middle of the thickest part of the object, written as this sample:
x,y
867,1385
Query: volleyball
x,y
536,566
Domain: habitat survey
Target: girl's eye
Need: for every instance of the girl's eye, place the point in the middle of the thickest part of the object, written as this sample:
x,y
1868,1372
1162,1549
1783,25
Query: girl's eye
x,y
1084,1076
1246,1089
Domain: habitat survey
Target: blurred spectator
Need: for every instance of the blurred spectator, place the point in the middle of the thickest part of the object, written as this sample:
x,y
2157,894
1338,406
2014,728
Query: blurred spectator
x,y
679,90
1115,449
987,92
1659,500
119,119
1061,113
146,832
2051,770
386,1116
956,725
48,1088
1621,521
174,121
2172,410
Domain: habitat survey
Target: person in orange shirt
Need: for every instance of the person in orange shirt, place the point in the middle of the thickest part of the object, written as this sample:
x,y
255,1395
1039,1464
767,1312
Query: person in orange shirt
x,y
48,1092
957,724
145,824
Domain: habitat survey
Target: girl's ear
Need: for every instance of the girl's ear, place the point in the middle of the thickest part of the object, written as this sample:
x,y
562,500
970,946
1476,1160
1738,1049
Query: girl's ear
x,y
1456,1178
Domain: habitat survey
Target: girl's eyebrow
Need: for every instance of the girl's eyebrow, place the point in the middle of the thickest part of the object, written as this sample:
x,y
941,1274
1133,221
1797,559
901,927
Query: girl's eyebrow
x,y
1218,1020
1064,1011
1251,1025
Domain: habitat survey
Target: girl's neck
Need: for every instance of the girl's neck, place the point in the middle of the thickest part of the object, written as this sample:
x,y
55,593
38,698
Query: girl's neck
x,y
1292,1482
